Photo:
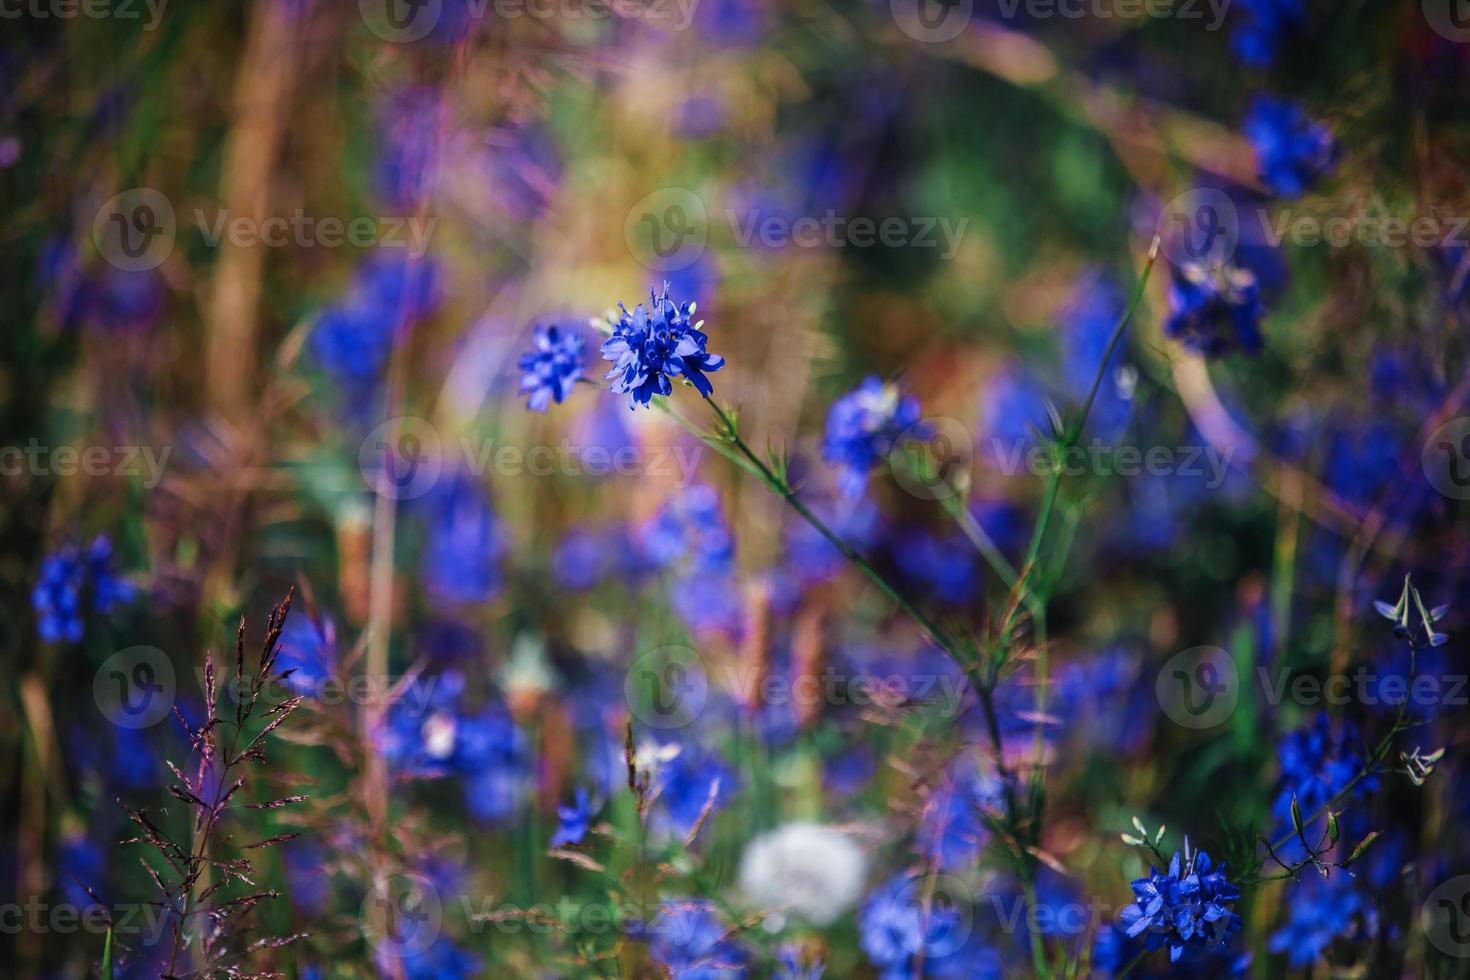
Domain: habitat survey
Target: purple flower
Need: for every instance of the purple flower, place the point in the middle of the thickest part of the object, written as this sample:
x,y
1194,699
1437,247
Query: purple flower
x,y
549,372
863,426
650,346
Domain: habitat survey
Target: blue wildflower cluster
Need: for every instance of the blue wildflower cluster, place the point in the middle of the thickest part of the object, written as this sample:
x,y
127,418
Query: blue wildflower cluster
x,y
1191,905
651,345
549,372
70,580
863,427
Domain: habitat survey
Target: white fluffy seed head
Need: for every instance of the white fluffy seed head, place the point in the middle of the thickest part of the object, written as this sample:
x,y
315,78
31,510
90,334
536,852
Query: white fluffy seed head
x,y
806,869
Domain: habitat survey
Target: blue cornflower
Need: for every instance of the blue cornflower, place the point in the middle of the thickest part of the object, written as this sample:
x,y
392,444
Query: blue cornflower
x,y
1292,151
688,938
1320,911
574,821
1213,312
863,426
549,372
1190,905
65,575
650,346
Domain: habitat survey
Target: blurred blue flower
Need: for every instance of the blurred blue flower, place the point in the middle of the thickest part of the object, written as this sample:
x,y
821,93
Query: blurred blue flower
x,y
953,831
685,785
1214,312
1317,763
650,346
443,960
573,821
1262,27
863,426
893,928
549,372
80,862
792,964
308,649
354,336
1320,910
1190,905
1292,151
1013,410
690,528
461,561
497,762
946,569
689,940
66,575
1088,322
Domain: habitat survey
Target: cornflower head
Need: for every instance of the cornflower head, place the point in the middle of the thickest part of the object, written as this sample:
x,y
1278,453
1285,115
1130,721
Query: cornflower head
x,y
1213,312
550,370
1189,906
650,345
